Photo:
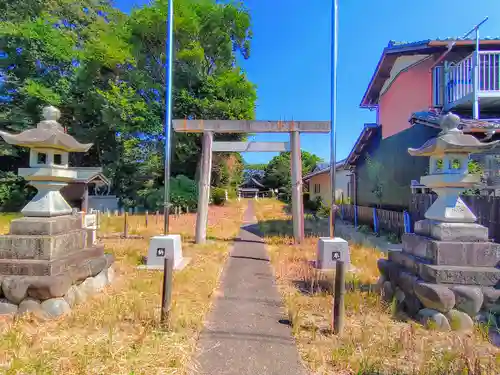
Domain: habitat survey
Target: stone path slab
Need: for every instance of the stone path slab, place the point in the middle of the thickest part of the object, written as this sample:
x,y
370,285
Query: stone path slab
x,y
243,335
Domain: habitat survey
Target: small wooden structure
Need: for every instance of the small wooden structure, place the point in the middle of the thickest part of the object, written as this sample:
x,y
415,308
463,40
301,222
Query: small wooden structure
x,y
251,188
89,183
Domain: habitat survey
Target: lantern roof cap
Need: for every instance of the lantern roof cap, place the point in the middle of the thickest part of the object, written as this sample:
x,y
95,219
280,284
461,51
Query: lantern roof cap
x,y
47,134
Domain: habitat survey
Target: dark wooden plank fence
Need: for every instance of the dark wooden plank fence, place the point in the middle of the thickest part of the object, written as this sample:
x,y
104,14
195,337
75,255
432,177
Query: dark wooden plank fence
x,y
391,221
365,216
486,208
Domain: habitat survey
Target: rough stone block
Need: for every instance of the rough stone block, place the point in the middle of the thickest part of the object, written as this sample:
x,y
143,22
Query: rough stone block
x,y
15,289
459,321
433,296
453,253
412,305
56,307
75,296
45,226
409,261
434,319
90,268
43,288
42,247
468,299
30,267
442,231
485,276
491,300
33,307
329,250
7,308
406,281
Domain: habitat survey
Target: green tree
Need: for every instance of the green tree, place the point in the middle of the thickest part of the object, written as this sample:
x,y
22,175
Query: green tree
x,y
105,71
256,167
278,172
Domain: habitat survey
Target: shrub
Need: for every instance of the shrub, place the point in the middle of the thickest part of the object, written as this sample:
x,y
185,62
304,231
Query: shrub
x,y
14,192
365,229
313,205
183,193
323,210
218,196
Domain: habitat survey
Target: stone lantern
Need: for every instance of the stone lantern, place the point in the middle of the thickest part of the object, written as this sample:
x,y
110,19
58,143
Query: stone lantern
x,y
448,271
48,172
49,261
448,171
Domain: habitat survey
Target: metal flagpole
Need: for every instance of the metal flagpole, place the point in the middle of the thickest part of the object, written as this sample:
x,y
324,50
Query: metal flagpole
x,y
333,114
168,111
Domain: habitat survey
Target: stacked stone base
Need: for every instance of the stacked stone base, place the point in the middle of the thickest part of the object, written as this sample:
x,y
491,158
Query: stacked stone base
x,y
49,265
446,276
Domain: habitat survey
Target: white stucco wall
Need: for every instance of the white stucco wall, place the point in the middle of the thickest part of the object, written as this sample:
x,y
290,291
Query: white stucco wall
x,y
323,181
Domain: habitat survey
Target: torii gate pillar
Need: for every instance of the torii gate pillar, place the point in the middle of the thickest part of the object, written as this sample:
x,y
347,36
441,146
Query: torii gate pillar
x,y
297,198
204,188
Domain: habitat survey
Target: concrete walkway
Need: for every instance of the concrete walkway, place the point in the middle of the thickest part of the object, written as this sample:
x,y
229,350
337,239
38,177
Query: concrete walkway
x,y
243,335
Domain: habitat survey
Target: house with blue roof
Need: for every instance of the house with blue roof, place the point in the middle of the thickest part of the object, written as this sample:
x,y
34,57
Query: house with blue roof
x,y
413,85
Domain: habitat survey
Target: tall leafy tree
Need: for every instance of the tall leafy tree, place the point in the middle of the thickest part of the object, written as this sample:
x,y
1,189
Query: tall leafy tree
x,y
277,174
105,71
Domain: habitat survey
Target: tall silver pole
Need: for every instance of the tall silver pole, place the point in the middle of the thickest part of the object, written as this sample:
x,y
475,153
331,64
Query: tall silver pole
x,y
333,114
475,108
168,111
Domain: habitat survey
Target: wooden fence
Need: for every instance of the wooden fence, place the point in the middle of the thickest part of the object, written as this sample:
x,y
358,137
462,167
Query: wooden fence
x,y
376,218
486,209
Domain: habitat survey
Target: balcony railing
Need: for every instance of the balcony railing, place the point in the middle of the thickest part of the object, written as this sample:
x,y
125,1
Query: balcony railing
x,y
460,82
489,74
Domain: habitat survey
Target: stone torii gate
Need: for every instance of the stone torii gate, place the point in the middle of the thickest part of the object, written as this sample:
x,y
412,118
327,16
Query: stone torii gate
x,y
209,127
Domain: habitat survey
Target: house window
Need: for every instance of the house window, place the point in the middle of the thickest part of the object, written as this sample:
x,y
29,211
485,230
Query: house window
x,y
317,188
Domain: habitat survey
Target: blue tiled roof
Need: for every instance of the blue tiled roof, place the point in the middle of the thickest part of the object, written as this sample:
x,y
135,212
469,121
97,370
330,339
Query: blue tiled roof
x,y
393,44
433,119
323,168
365,136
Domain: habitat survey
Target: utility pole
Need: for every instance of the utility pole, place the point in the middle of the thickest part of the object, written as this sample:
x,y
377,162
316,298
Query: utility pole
x,y
168,112
333,114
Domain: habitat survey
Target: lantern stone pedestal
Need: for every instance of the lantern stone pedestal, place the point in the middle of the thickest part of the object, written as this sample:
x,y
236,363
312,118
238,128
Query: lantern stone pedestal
x,y
447,273
49,261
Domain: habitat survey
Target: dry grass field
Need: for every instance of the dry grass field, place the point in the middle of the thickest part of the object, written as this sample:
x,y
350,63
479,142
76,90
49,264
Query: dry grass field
x,y
376,341
118,331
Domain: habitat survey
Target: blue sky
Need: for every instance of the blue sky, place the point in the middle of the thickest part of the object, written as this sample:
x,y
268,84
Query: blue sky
x,y
290,56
